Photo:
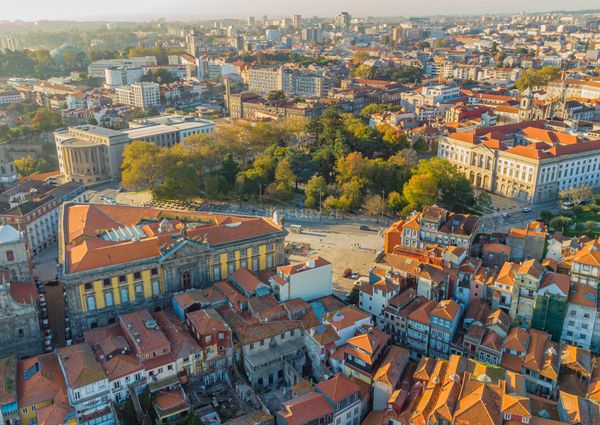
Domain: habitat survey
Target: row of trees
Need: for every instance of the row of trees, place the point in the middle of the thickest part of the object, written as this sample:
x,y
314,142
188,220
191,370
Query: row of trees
x,y
337,160
34,120
537,77
40,64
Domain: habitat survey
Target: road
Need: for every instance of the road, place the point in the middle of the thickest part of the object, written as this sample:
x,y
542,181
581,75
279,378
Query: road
x,y
494,222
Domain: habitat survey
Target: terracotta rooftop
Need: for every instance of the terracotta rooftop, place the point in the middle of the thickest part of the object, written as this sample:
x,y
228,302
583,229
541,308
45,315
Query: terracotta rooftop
x,y
97,235
337,388
80,365
305,409
39,380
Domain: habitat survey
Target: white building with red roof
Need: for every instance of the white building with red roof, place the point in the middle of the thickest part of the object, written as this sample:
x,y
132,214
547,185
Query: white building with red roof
x,y
309,280
524,160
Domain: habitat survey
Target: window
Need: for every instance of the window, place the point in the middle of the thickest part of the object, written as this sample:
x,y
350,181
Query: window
x,y
88,286
106,282
122,278
186,278
91,302
139,292
137,275
108,298
124,295
10,255
217,272
155,287
154,272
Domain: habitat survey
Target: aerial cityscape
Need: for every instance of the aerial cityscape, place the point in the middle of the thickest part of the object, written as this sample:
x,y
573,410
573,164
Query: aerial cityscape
x,y
323,213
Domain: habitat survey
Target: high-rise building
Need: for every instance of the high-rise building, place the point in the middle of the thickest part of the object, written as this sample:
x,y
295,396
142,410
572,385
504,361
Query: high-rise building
x,y
251,21
140,95
310,34
273,35
297,21
342,21
192,43
291,82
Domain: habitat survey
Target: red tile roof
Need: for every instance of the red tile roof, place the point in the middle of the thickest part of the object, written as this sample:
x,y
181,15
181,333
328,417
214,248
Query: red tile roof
x,y
86,250
338,388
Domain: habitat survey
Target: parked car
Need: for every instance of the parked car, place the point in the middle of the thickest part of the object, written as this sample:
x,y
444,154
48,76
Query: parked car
x,y
505,215
363,227
525,210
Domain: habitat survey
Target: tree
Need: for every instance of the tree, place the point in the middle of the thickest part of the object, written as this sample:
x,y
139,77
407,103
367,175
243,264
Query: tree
x,y
534,78
373,108
374,205
396,202
561,222
316,189
363,71
454,189
576,194
546,216
284,179
351,195
46,120
420,190
161,76
484,200
255,180
352,297
180,182
589,226
26,165
229,170
420,145
276,95
359,57
405,158
144,165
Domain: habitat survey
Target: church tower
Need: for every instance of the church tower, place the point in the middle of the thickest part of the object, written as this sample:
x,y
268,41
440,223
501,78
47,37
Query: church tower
x,y
525,109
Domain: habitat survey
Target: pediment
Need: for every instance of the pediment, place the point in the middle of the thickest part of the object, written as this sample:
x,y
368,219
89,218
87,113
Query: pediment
x,y
183,249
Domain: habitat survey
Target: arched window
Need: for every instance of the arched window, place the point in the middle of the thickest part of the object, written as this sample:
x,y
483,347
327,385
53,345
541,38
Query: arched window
x,y
10,255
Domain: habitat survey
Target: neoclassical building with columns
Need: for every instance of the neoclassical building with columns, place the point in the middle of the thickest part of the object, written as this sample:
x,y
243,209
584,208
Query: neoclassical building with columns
x,y
114,259
525,160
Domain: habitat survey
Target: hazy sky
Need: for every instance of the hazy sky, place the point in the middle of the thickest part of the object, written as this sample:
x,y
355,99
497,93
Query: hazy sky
x,y
199,9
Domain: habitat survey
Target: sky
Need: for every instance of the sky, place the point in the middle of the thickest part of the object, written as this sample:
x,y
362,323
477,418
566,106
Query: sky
x,y
210,9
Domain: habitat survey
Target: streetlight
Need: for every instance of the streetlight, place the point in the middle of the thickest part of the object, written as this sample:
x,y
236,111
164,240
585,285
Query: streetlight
x,y
320,206
382,204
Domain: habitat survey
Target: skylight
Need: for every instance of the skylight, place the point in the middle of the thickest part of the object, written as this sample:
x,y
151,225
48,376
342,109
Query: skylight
x,y
127,233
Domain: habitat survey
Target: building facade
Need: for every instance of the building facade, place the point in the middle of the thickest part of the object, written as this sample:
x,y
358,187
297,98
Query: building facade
x,y
139,95
524,160
109,265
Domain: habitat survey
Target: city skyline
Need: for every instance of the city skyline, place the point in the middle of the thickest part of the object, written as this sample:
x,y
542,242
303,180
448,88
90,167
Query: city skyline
x,y
152,9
